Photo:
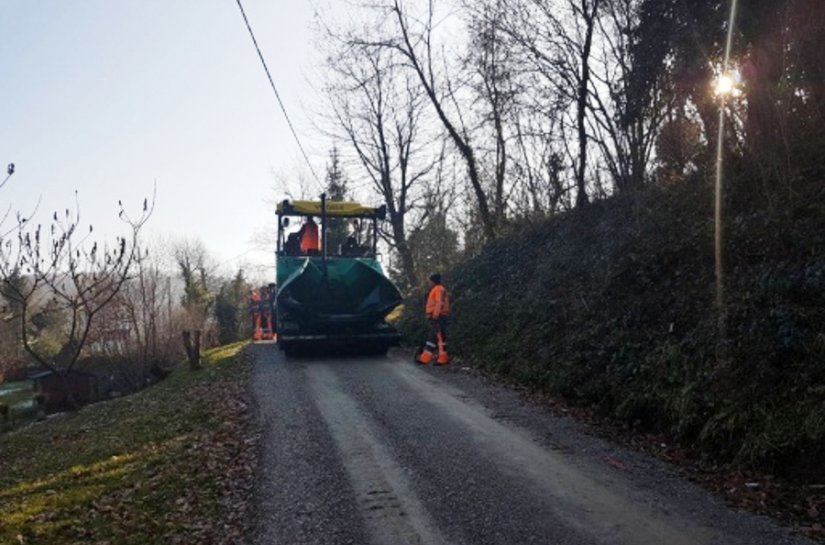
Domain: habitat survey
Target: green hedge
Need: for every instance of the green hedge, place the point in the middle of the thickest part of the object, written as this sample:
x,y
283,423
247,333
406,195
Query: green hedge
x,y
613,307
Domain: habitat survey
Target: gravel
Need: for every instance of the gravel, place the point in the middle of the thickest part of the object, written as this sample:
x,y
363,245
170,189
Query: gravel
x,y
382,451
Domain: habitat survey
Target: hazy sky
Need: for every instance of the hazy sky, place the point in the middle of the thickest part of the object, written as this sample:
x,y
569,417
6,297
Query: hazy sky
x,y
108,96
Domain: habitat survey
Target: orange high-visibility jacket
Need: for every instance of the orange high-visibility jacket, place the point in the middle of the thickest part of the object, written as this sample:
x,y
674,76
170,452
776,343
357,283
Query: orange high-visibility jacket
x,y
309,238
438,302
254,302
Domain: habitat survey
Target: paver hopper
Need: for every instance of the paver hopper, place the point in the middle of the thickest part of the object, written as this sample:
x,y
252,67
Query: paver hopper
x,y
333,296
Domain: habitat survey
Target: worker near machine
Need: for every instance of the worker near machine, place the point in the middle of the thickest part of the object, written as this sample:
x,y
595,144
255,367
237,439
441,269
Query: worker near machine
x,y
350,248
438,314
292,246
255,313
310,241
273,296
266,314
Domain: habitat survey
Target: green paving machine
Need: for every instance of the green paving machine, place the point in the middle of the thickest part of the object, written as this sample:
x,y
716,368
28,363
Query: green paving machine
x,y
332,290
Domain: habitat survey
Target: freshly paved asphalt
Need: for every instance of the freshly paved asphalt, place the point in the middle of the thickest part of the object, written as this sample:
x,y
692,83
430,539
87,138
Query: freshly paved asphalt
x,y
379,451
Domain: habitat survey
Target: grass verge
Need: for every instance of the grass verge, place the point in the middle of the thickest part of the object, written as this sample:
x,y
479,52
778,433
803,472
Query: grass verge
x,y
172,464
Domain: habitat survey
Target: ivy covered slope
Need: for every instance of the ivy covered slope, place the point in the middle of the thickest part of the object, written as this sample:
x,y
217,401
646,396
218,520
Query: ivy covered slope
x,y
171,464
612,307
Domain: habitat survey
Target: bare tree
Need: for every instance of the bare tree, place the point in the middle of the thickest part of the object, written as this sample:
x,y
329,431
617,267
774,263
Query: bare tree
x,y
145,342
496,89
378,107
558,37
9,346
524,114
625,120
66,266
413,39
540,167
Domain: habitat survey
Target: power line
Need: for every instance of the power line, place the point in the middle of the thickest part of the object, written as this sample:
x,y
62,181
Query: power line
x,y
277,95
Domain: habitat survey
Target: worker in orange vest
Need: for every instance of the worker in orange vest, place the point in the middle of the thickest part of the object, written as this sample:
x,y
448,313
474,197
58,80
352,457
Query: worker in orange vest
x,y
310,242
255,311
265,310
438,313
273,307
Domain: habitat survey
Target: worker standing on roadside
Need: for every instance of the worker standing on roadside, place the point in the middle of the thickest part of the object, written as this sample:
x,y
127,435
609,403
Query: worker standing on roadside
x,y
310,242
438,313
255,313
266,314
273,295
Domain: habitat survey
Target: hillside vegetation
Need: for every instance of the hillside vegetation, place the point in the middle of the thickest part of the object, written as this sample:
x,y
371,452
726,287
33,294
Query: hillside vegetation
x,y
172,464
612,307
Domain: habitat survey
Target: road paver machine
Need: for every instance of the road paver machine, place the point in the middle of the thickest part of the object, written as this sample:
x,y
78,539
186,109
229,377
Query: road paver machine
x,y
332,296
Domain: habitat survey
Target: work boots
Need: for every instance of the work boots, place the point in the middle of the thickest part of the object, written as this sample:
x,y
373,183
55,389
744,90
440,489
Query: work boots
x,y
443,358
426,356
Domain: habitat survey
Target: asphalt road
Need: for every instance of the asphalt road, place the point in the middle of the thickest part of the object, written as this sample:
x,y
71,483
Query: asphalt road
x,y
381,451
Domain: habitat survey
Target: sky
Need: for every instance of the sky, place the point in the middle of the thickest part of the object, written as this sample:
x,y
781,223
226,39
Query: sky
x,y
110,97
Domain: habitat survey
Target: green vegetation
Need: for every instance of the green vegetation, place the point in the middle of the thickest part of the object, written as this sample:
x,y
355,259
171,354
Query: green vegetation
x,y
612,307
231,310
171,464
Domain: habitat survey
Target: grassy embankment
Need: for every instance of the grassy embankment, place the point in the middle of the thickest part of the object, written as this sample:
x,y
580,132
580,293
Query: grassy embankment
x,y
171,464
612,309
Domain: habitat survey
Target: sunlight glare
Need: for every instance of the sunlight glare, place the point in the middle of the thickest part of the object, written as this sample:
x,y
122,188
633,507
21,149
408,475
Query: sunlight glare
x,y
725,85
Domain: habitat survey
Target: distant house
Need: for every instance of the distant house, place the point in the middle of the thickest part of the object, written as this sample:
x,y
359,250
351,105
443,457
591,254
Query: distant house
x,y
83,385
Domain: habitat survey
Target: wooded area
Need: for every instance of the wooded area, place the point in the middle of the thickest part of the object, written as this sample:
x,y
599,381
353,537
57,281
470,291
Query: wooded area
x,y
472,122
589,133
507,112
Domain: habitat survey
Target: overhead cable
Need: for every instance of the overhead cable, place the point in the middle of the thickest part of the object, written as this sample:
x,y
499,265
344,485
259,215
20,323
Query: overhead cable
x,y
277,95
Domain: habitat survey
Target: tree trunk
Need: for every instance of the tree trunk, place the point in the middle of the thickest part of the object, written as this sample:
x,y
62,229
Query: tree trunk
x,y
581,105
193,348
461,141
403,249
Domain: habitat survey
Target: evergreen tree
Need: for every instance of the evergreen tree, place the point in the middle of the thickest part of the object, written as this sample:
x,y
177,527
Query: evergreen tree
x,y
230,309
337,190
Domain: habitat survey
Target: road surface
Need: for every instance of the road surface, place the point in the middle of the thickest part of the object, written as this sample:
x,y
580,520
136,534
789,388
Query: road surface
x,y
379,451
